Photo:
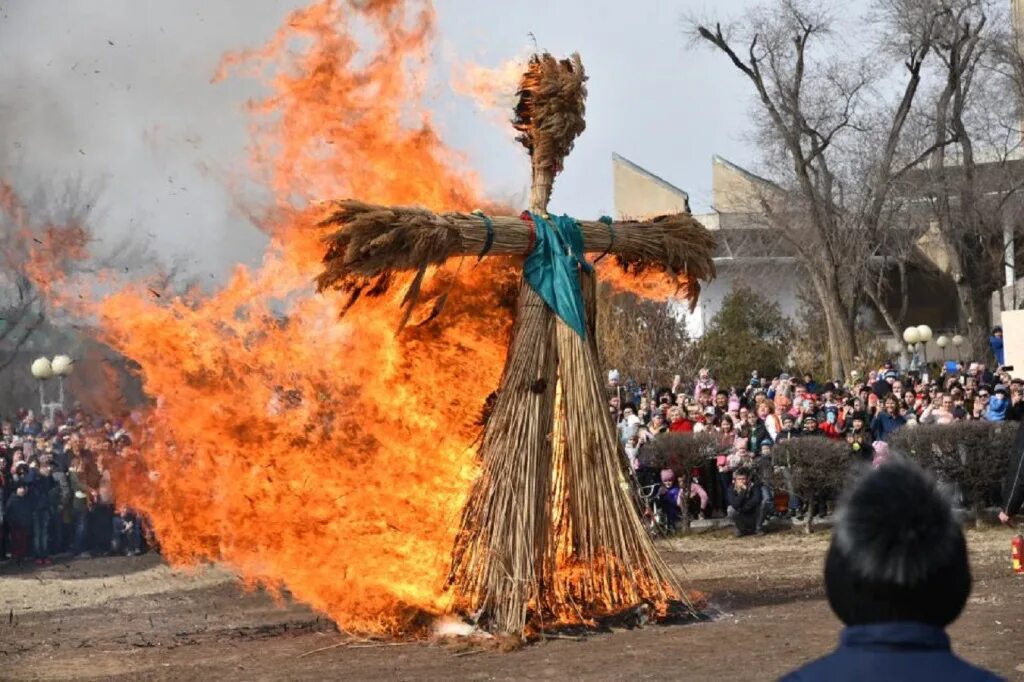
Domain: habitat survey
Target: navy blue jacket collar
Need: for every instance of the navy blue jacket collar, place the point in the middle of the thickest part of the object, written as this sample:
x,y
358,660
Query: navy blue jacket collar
x,y
902,635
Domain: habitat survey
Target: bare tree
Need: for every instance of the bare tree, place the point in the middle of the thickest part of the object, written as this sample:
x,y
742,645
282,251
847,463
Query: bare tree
x,y
645,340
832,140
970,187
35,245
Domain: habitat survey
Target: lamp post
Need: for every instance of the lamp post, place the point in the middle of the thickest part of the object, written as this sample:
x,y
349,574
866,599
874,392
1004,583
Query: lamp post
x,y
43,369
924,333
942,342
912,335
958,341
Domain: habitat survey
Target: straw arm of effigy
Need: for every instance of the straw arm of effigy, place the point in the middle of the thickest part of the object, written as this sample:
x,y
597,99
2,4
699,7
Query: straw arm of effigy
x,y
372,240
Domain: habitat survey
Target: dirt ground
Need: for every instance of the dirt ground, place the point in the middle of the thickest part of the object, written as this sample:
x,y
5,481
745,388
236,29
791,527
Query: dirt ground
x,y
135,619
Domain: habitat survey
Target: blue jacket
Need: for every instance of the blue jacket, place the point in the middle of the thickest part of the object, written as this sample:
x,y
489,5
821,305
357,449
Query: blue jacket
x,y
885,424
996,344
891,651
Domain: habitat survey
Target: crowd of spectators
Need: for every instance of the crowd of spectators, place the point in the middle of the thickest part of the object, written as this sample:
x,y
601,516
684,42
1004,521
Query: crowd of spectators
x,y
753,419
56,496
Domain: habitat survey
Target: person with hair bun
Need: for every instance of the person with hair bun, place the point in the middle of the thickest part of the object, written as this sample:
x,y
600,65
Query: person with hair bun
x,y
896,574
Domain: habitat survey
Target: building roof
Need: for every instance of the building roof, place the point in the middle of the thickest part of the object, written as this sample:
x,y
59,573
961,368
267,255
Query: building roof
x,y
753,177
619,158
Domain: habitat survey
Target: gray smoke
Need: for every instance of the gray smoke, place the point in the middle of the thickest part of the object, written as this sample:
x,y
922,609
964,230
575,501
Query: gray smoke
x,y
118,94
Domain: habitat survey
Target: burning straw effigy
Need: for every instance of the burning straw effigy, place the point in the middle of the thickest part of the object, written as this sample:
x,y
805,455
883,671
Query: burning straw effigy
x,y
550,533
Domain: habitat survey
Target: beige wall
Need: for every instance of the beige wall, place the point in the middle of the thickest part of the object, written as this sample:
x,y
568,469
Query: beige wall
x,y
1013,340
639,194
733,190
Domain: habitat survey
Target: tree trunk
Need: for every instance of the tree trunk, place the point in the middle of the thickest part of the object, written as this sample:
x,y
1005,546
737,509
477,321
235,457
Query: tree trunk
x,y
842,343
808,526
974,316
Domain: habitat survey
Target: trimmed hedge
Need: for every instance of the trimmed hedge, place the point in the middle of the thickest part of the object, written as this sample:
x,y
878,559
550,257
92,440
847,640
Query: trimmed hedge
x,y
814,468
681,452
968,455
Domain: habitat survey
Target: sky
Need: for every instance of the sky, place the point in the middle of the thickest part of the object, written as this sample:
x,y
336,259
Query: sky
x,y
117,93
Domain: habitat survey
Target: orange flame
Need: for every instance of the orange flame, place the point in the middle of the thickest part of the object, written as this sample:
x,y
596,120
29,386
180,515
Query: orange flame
x,y
321,455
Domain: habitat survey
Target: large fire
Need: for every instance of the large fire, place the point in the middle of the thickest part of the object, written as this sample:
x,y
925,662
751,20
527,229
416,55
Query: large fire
x,y
309,451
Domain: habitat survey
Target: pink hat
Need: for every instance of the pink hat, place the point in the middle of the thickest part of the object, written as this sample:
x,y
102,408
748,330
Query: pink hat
x,y
734,404
668,476
881,449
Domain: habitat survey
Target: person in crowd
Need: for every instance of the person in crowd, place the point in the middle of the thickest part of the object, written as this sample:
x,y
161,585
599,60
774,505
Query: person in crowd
x,y
995,342
888,421
127,533
721,406
704,384
998,404
940,411
859,438
979,407
768,413
80,507
789,429
745,508
41,493
18,518
833,426
881,453
809,426
883,386
679,422
1013,481
897,575
758,433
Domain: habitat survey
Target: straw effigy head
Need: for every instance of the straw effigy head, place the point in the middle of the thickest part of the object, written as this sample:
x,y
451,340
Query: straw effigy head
x,y
552,104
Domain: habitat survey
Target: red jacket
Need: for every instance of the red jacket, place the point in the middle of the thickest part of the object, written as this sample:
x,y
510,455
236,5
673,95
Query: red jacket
x,y
833,431
684,425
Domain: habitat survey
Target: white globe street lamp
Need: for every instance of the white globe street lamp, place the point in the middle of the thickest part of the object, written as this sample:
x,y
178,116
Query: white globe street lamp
x,y
924,335
911,335
43,369
958,341
942,342
62,365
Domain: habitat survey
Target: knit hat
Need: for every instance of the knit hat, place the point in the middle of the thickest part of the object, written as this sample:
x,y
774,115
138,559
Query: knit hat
x,y
897,554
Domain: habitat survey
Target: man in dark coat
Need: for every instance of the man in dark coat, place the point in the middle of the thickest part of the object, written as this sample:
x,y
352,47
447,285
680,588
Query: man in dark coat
x,y
745,503
1013,482
897,575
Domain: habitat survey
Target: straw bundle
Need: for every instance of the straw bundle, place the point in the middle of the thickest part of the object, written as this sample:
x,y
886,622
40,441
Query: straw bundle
x,y
550,532
372,241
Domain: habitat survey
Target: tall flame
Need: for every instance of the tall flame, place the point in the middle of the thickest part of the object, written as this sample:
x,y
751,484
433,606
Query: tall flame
x,y
311,452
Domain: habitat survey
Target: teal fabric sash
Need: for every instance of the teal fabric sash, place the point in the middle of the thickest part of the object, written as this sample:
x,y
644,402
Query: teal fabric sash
x,y
552,268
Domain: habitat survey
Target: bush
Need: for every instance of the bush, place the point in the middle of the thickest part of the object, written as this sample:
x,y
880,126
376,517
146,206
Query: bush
x,y
812,467
970,454
681,452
